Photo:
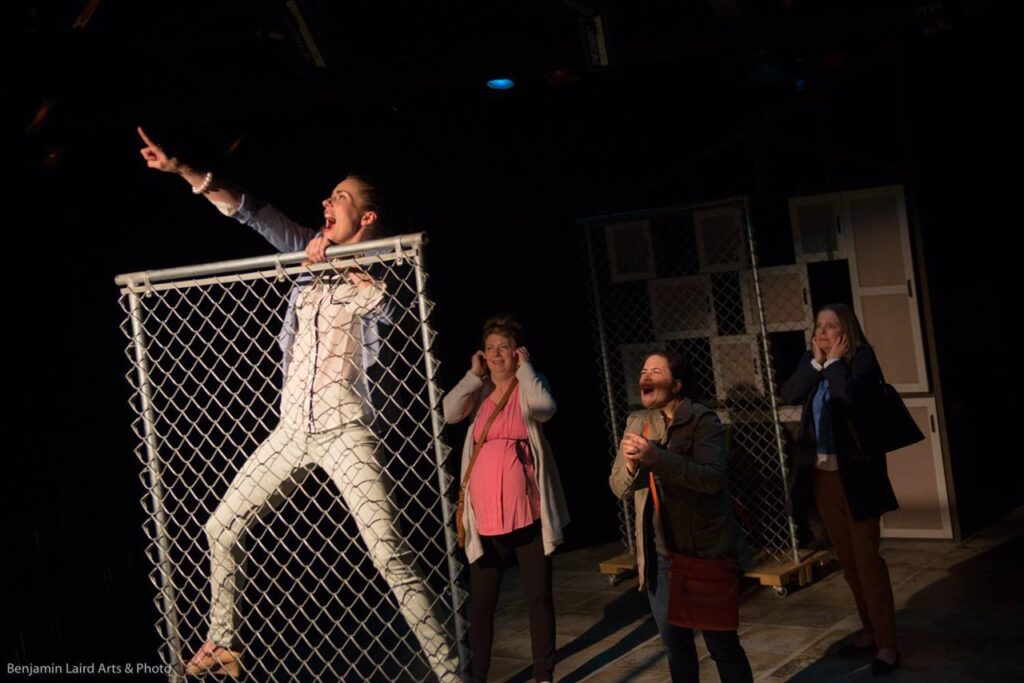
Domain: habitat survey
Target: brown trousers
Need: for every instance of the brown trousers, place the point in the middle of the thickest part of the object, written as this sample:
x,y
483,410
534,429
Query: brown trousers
x,y
856,546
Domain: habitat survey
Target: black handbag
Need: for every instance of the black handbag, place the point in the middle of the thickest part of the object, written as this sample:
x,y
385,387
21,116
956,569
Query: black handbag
x,y
895,425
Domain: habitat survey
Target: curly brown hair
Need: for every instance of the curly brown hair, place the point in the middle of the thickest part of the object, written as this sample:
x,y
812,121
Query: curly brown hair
x,y
507,326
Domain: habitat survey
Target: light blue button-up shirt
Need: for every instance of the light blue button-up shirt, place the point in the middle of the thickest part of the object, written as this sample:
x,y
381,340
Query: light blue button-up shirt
x,y
287,236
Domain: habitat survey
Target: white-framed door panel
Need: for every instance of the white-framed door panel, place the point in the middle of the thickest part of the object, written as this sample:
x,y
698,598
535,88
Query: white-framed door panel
x,y
918,477
815,224
876,240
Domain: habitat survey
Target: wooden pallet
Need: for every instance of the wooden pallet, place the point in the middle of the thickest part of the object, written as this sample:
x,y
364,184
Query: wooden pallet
x,y
769,572
781,575
619,567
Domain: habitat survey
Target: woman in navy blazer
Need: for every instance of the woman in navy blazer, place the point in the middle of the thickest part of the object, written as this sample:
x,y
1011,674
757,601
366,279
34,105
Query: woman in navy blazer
x,y
837,466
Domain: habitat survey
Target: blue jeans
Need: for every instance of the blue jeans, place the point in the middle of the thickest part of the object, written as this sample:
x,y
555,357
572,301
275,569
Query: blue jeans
x,y
724,646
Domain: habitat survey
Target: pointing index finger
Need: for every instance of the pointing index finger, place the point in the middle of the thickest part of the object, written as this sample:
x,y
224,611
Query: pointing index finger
x,y
145,138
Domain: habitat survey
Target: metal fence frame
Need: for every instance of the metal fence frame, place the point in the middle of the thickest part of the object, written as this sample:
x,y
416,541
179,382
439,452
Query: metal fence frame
x,y
137,287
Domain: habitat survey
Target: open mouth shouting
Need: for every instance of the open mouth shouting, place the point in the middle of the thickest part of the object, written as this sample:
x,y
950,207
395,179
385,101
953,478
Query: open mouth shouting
x,y
651,394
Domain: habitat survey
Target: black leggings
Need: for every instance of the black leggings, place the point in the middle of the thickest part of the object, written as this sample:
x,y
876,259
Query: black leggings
x,y
485,581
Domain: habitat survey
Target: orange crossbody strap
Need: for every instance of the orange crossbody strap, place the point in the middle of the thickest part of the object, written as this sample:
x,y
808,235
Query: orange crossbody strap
x,y
650,475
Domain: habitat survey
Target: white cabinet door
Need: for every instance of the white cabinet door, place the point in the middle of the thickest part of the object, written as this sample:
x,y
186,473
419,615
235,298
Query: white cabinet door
x,y
816,227
877,244
919,480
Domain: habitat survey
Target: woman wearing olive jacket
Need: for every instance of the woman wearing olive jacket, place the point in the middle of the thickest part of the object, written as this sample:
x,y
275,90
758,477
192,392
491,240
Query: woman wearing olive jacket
x,y
681,445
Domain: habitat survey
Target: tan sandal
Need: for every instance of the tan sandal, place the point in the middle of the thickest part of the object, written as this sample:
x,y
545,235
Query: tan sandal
x,y
214,659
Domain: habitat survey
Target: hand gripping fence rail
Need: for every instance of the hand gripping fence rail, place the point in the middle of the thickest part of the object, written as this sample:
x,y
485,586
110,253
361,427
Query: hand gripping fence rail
x,y
688,279
297,484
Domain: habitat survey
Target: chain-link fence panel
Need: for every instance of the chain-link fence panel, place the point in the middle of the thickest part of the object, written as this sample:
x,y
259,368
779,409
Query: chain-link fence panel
x,y
686,279
297,484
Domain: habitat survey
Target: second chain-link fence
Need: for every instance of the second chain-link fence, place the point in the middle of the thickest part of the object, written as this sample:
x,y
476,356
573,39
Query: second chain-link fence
x,y
686,279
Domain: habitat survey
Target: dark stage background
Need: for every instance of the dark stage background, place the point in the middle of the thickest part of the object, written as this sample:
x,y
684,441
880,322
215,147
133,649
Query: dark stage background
x,y
700,100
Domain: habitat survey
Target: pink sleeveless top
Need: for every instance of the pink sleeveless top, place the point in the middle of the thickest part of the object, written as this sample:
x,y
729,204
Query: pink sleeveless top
x,y
503,485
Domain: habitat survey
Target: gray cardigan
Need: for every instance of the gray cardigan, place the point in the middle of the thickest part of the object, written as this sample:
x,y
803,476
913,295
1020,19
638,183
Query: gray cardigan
x,y
537,406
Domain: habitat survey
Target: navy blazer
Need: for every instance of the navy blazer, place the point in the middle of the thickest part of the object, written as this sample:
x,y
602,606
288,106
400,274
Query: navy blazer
x,y
854,389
